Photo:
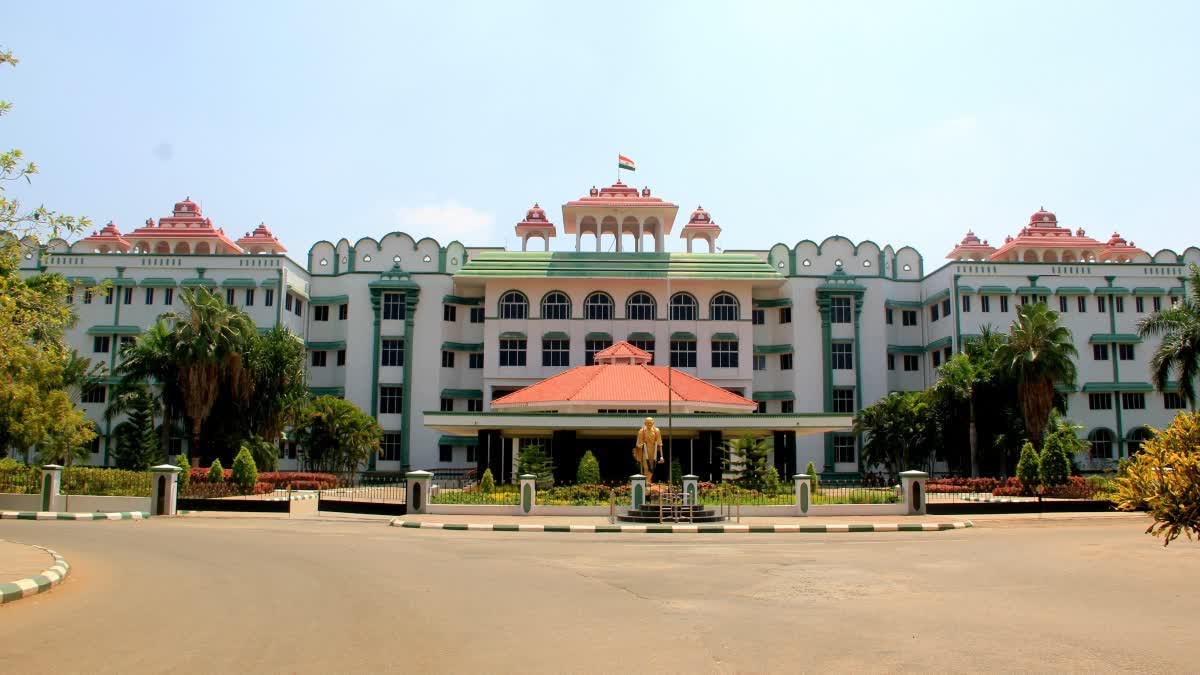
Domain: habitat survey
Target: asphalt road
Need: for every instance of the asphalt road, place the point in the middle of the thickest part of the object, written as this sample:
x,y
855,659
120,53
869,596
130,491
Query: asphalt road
x,y
253,594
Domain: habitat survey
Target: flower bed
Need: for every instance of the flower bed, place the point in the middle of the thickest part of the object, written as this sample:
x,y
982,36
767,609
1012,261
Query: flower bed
x,y
279,480
950,485
203,490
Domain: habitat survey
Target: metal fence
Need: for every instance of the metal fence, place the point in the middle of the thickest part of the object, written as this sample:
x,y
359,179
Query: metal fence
x,y
378,488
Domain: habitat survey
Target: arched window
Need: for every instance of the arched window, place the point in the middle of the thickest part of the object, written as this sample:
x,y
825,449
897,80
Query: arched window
x,y
514,305
1102,443
724,307
1136,438
640,306
684,307
556,305
598,305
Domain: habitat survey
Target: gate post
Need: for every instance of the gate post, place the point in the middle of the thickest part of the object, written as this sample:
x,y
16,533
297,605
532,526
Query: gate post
x,y
51,483
912,488
164,489
691,489
528,494
803,493
637,491
418,491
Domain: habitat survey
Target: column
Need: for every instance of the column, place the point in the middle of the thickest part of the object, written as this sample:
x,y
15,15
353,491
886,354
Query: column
x,y
51,483
164,489
410,348
419,483
912,488
803,493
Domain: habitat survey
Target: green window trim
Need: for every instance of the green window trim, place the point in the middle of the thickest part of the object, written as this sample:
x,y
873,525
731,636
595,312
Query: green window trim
x,y
903,304
512,335
597,336
767,303
270,283
1144,387
724,337
555,335
327,391
995,290
1111,290
114,330
197,282
461,300
157,282
965,289
1177,290
459,441
683,335
1149,290
120,281
462,393
937,297
320,346
1065,388
328,299
89,282
773,396
462,346
905,349
1114,338
1073,290
773,349
1034,290
640,335
940,343
238,282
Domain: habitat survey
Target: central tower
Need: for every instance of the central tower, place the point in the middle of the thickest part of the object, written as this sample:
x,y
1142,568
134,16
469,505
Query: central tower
x,y
619,210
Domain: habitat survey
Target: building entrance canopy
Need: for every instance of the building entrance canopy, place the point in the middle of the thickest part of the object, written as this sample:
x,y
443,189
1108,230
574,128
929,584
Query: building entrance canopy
x,y
610,425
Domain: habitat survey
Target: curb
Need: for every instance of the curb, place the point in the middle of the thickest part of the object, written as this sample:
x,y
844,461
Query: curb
x,y
40,583
52,515
687,529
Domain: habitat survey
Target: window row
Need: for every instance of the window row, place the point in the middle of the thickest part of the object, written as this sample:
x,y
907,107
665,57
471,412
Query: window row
x,y
758,317
639,306
1124,352
556,352
320,358
321,312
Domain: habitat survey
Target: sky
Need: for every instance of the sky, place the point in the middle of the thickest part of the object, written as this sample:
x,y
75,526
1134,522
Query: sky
x,y
900,122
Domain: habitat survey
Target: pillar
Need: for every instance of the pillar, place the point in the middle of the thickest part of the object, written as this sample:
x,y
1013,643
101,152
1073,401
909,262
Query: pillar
x,y
419,483
691,490
528,494
164,489
912,488
803,493
51,483
637,491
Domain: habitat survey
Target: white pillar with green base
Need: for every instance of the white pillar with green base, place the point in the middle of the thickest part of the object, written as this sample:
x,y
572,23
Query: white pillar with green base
x,y
912,489
803,493
417,498
691,489
528,494
51,485
164,489
637,491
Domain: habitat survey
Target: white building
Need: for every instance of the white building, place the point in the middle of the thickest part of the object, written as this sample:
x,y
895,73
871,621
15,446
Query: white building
x,y
425,335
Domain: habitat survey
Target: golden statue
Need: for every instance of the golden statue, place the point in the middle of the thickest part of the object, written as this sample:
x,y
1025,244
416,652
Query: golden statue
x,y
649,449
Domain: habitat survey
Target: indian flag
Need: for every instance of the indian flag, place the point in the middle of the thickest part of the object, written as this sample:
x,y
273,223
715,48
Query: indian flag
x,y
624,162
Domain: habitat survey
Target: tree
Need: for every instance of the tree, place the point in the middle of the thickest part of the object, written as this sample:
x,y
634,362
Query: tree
x,y
811,471
216,472
137,443
901,432
335,436
185,476
1038,354
1054,463
534,460
487,483
957,379
1179,350
1164,479
245,473
1027,468
266,455
150,360
589,470
275,361
747,460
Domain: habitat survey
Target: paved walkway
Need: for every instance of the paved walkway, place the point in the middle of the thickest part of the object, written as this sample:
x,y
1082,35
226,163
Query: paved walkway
x,y
19,561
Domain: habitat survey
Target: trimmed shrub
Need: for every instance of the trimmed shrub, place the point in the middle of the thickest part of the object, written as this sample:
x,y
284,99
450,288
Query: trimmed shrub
x,y
245,473
185,476
1054,466
811,470
487,484
771,483
1027,468
589,470
534,460
216,473
266,455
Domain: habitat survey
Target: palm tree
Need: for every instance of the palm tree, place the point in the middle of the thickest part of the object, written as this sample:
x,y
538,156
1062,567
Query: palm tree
x,y
150,359
901,432
1039,354
276,364
1179,351
334,435
959,378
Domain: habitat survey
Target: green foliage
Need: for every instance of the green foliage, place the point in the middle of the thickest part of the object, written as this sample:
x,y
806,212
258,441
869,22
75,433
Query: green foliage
x,y
811,471
216,472
91,480
1179,350
265,454
137,441
245,473
676,472
902,431
278,380
487,484
771,484
335,435
1164,479
1054,464
185,475
534,460
747,461
1038,354
1027,467
589,470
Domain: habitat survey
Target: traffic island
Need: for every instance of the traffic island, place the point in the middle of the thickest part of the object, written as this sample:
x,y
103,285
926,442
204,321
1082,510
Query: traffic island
x,y
23,561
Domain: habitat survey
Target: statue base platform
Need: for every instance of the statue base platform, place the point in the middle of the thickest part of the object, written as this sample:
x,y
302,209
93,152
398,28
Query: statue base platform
x,y
657,513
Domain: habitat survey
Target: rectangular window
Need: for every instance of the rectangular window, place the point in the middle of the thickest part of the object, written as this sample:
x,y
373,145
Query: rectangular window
x,y
937,359
590,347
1139,305
1100,352
787,407
449,313
287,301
1100,305
475,360
946,353
1125,352
1120,303
94,394
391,352
471,452
891,361
393,307
249,297
760,361
476,315
125,341
724,354
1133,401
843,357
229,296
946,307
341,359
101,344
933,313
556,353
512,352
843,400
839,310
318,359
389,446
390,400
108,296
1081,304
474,405
762,407
785,361
447,359
843,449
1004,303
87,297
908,317
985,303
1173,400
299,307
966,303
1101,401
912,362
343,312
1062,304
785,315
683,353
168,296
149,296
887,316
70,296
269,297
1156,303
320,312
445,454
447,405
758,317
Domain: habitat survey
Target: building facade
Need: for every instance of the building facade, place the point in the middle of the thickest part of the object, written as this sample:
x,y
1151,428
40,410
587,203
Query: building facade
x,y
425,335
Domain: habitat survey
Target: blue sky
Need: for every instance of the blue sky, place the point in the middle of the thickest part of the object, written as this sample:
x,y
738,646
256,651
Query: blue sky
x,y
904,123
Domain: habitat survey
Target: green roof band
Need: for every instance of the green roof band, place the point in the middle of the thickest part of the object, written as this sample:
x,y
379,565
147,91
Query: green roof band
x,y
773,396
1033,290
625,265
238,282
1117,387
905,349
114,330
328,299
319,346
966,289
1149,290
1177,290
512,335
936,297
725,337
1073,290
1114,338
995,290
459,441
767,303
940,344
462,346
82,281
460,300
555,335
682,335
157,282
903,304
1111,290
597,336
195,282
462,393
773,349
640,335
121,281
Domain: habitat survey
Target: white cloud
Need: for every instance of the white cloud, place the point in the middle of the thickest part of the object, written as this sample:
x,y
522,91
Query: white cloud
x,y
448,221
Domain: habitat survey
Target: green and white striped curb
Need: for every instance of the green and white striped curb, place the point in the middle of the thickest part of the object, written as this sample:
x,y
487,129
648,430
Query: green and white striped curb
x,y
51,515
686,529
40,583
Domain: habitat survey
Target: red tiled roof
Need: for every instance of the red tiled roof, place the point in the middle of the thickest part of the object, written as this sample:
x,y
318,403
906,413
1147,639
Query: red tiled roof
x,y
622,386
622,349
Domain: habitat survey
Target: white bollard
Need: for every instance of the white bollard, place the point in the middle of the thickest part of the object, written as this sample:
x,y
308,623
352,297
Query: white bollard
x,y
803,493
51,485
637,491
691,490
528,494
164,489
912,487
419,483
